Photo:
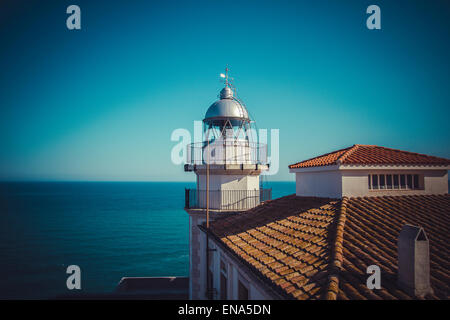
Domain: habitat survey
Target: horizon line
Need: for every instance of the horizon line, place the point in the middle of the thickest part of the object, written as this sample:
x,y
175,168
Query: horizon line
x,y
143,181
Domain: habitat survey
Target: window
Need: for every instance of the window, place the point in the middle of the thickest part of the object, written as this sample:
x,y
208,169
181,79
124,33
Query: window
x,y
382,181
210,285
223,287
374,181
409,181
394,181
210,291
402,181
211,256
223,280
416,181
242,291
223,266
389,181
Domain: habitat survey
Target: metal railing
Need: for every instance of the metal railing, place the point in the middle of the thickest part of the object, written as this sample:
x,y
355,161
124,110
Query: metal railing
x,y
226,200
227,152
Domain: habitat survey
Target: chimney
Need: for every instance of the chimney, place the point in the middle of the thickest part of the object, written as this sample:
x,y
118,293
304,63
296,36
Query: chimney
x,y
414,261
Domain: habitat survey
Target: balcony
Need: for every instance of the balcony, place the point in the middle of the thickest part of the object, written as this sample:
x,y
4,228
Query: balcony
x,y
226,200
223,152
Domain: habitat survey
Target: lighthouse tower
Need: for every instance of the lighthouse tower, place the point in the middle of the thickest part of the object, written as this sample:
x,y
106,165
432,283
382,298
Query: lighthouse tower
x,y
228,164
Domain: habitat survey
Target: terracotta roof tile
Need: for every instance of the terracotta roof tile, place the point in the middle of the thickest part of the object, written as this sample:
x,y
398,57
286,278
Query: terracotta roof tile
x,y
371,155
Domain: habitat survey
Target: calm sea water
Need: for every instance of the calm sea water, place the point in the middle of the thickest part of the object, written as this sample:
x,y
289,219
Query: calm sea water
x,y
109,229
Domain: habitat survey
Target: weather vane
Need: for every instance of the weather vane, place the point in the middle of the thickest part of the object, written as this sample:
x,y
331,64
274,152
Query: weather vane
x,y
225,76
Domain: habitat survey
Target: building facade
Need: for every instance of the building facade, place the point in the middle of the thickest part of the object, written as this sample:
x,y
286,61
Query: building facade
x,y
362,170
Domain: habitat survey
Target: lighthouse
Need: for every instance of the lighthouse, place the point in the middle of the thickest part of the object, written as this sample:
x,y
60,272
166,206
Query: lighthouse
x,y
227,164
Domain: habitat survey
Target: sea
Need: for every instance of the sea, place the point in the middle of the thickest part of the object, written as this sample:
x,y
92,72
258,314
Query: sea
x,y
109,229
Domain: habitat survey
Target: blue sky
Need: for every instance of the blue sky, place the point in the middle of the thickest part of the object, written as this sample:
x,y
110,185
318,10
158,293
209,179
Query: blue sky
x,y
101,103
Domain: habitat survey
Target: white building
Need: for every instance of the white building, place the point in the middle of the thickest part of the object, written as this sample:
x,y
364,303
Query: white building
x,y
363,170
350,208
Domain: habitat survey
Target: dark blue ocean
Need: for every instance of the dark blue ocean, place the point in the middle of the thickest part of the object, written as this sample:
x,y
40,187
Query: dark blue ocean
x,y
109,229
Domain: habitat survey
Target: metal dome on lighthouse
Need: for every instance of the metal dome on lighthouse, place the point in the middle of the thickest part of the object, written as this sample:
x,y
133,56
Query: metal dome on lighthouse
x,y
227,108
229,137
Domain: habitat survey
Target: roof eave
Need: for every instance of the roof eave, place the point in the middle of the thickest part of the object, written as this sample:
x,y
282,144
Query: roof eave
x,y
335,167
330,167
392,167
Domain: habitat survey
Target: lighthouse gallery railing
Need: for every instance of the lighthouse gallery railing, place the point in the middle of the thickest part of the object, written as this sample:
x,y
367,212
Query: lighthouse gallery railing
x,y
226,200
227,152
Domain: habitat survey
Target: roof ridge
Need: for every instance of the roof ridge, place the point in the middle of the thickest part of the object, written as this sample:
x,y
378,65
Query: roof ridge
x,y
337,254
322,155
347,153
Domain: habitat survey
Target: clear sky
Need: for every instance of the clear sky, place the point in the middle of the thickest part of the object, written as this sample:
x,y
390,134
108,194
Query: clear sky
x,y
101,103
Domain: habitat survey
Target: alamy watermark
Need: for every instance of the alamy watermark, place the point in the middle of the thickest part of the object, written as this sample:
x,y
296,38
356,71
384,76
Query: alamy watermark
x,y
191,149
73,21
373,281
74,280
374,20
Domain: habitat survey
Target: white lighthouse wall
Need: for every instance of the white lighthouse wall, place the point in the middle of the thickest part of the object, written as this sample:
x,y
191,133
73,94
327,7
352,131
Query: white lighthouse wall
x,y
228,182
197,258
229,192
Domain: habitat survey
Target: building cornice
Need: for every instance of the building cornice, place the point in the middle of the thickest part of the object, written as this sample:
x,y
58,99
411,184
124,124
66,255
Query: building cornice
x,y
333,167
392,167
367,167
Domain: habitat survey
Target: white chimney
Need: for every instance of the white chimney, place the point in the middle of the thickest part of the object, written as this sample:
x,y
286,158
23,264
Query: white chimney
x,y
414,261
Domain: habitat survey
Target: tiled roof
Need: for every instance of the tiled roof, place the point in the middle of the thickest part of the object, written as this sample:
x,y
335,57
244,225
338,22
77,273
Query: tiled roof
x,y
370,238
371,155
287,241
318,248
